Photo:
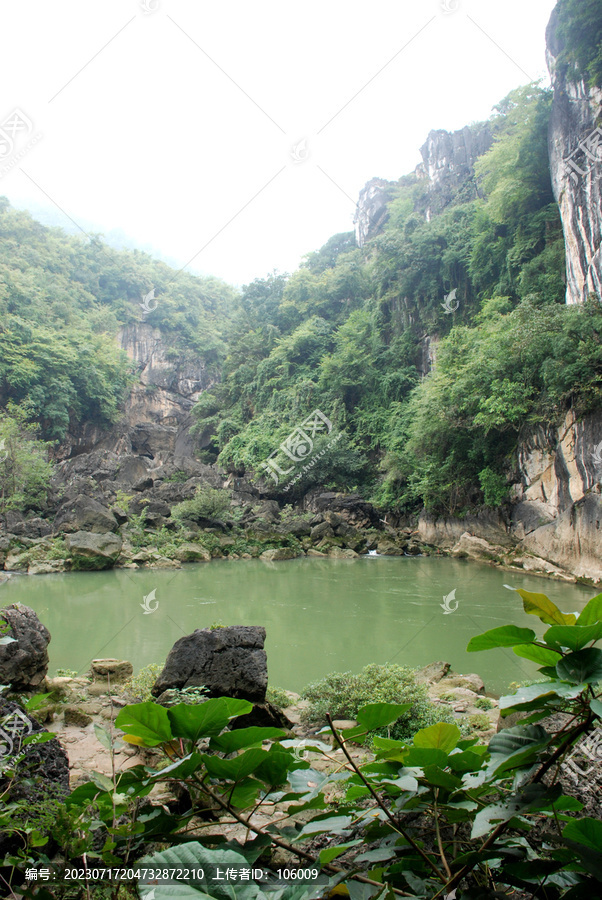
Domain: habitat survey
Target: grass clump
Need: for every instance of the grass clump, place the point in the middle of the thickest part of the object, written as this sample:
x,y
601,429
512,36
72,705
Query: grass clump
x,y
278,697
207,503
342,694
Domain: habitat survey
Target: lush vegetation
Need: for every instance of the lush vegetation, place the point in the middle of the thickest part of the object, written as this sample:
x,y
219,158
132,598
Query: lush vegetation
x,y
347,334
62,301
432,814
580,39
343,694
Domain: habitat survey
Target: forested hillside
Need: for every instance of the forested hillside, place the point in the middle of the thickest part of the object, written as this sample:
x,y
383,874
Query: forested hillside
x,y
345,333
62,301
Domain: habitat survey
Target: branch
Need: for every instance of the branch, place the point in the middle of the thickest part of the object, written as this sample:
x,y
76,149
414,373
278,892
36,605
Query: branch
x,y
382,806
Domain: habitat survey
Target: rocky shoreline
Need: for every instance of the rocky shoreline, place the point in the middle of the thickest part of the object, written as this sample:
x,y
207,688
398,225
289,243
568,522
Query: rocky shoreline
x,y
97,525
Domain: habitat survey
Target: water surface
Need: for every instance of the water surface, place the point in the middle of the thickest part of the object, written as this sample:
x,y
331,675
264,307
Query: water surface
x,y
320,615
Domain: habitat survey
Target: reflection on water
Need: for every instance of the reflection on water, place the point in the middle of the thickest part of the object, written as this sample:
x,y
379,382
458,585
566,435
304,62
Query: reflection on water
x,y
320,615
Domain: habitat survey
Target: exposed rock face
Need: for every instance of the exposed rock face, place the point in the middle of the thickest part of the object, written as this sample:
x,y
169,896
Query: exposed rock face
x,y
448,161
229,662
156,419
85,514
575,146
24,662
559,510
371,210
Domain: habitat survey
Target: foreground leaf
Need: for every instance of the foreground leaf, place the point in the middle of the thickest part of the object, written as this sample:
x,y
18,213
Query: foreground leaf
x,y
147,721
504,636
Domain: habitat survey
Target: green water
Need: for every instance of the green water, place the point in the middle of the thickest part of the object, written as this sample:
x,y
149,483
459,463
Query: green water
x,y
320,615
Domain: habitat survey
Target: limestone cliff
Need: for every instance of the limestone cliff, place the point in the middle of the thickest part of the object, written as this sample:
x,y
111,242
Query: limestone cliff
x,y
156,413
575,146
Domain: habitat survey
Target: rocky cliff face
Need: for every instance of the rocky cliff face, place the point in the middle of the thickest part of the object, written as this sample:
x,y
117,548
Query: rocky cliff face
x,y
575,146
448,159
553,525
156,415
371,210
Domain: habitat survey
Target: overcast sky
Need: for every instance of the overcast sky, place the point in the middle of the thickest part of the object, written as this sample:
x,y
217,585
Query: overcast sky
x,y
235,137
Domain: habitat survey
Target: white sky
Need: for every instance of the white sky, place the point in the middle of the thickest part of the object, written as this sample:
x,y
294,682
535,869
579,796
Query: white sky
x,y
174,126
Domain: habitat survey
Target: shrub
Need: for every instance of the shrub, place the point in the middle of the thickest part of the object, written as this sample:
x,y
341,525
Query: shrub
x,y
278,697
484,703
207,503
139,686
342,694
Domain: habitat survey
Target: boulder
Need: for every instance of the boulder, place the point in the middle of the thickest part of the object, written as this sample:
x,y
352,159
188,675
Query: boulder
x,y
189,552
263,715
472,547
93,551
17,560
75,716
229,662
321,531
84,514
471,682
24,662
338,553
433,673
117,670
277,553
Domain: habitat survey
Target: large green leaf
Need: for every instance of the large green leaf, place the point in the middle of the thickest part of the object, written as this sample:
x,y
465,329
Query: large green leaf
x,y
535,653
194,721
379,715
237,707
442,736
276,765
583,667
525,697
245,737
237,768
541,606
515,747
591,612
573,636
586,831
504,636
148,722
326,825
513,805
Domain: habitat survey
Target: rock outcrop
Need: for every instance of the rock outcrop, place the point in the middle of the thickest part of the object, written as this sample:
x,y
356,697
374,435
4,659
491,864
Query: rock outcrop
x,y
228,662
448,159
575,146
23,662
371,211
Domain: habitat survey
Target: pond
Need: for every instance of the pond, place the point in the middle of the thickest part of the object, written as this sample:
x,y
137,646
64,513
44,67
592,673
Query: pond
x,y
321,615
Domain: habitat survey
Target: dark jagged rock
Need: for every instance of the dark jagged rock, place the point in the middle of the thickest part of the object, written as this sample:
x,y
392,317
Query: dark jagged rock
x,y
229,662
85,514
24,662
